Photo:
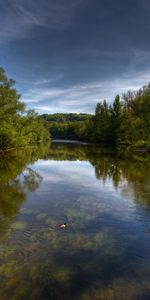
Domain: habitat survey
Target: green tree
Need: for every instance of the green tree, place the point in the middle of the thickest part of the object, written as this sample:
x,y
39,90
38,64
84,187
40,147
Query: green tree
x,y
102,122
117,118
15,122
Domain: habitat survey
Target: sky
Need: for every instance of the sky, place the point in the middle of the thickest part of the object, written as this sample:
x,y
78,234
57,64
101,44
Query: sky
x,y
67,55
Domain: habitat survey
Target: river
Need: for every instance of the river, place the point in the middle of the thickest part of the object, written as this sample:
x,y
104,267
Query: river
x,y
103,201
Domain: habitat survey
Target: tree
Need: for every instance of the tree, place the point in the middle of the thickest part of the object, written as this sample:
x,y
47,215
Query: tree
x,y
14,120
102,122
117,117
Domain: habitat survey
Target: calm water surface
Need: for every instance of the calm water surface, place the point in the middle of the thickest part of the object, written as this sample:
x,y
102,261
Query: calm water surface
x,y
104,253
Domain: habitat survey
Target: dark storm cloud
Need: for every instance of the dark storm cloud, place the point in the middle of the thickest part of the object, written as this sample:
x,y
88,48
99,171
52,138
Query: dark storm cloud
x,y
66,55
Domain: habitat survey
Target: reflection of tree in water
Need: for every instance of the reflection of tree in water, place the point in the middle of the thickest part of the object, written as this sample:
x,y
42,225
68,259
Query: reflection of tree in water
x,y
84,262
13,194
130,169
31,179
16,179
130,173
13,163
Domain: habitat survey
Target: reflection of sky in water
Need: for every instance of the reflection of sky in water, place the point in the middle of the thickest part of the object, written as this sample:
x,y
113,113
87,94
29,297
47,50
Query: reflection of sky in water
x,y
77,172
80,176
103,253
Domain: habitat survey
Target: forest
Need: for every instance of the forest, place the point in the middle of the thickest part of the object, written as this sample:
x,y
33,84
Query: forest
x,y
19,127
123,124
67,126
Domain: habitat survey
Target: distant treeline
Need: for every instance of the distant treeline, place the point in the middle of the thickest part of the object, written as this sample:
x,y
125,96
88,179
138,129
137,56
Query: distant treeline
x,y
18,127
124,123
67,125
66,117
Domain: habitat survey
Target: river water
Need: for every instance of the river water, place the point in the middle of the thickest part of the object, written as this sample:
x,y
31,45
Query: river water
x,y
103,198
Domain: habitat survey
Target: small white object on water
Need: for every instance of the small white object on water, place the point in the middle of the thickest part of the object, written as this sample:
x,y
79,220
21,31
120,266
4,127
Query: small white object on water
x,y
64,225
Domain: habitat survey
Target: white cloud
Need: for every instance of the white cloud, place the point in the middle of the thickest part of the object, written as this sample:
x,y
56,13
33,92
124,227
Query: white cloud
x,y
82,98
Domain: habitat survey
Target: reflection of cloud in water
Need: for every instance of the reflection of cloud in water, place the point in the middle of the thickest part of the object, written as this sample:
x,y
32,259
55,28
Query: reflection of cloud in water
x,y
79,173
79,176
104,251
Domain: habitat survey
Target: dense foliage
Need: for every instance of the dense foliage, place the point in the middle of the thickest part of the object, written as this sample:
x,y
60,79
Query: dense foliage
x,y
68,125
125,123
18,127
66,117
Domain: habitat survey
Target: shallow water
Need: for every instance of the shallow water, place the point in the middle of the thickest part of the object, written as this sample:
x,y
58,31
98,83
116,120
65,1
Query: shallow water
x,y
103,253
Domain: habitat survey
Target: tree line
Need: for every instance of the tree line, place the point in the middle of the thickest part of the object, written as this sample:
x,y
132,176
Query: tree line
x,y
18,126
124,123
67,125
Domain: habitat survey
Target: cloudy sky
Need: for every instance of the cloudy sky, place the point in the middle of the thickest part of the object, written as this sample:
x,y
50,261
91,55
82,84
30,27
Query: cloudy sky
x,y
66,55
